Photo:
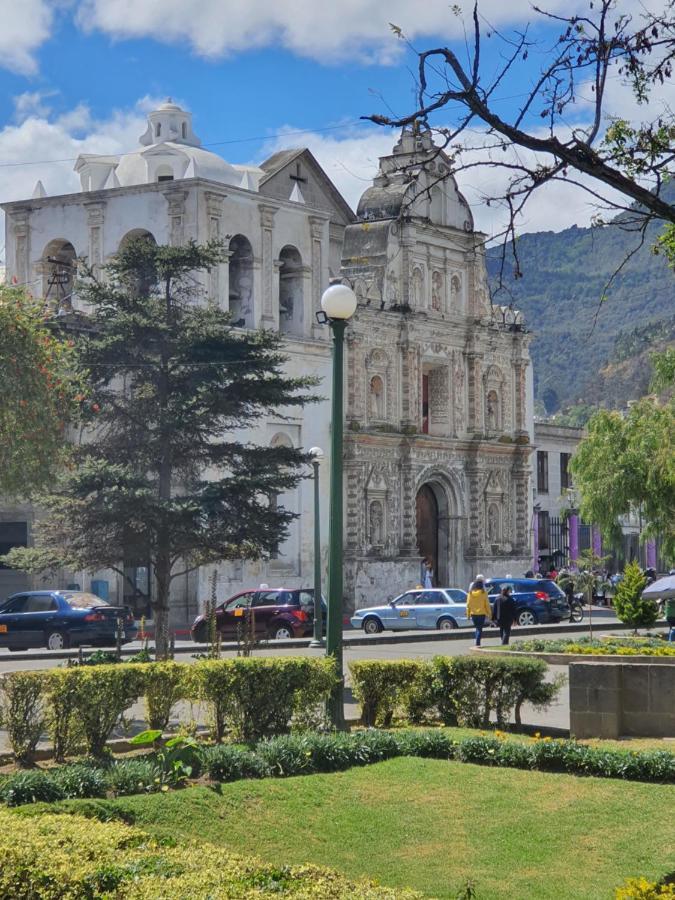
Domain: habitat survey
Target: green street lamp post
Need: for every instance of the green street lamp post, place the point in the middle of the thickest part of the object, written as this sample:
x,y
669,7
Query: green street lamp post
x,y
317,641
338,304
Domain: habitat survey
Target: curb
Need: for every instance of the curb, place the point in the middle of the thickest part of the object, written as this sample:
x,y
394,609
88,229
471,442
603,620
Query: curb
x,y
359,640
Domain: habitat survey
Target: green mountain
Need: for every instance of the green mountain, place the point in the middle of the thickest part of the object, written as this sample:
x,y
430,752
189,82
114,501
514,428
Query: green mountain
x,y
577,333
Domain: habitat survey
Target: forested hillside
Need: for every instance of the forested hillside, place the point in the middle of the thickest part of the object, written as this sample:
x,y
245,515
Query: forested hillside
x,y
576,332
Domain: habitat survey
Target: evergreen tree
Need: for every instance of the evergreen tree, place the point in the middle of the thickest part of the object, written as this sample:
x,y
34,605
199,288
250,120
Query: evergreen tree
x,y
39,386
630,606
162,474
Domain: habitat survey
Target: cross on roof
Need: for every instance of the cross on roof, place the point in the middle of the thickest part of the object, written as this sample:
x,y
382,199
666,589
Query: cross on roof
x,y
297,176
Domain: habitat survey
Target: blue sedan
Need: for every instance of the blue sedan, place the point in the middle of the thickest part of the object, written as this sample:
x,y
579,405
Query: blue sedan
x,y
59,619
441,608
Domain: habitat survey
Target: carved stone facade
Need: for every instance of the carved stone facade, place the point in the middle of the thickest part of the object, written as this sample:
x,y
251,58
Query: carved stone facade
x,y
438,425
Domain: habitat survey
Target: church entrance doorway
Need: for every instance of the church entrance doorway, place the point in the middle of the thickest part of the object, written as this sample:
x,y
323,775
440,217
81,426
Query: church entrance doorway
x,y
428,533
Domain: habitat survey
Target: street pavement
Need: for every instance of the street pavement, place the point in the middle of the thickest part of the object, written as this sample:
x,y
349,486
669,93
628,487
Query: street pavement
x,y
557,716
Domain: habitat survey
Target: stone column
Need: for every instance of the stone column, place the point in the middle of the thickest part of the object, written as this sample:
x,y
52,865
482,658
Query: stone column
x,y
267,213
316,226
95,219
176,209
19,223
407,244
520,423
218,274
573,522
535,542
475,392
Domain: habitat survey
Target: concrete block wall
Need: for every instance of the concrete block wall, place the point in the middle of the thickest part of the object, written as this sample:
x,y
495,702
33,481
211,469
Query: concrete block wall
x,y
622,699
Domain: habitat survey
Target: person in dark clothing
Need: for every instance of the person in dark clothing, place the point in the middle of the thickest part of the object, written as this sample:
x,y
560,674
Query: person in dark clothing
x,y
504,613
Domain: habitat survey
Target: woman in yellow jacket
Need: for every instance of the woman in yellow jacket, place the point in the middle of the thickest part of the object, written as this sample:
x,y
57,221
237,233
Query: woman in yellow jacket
x,y
478,607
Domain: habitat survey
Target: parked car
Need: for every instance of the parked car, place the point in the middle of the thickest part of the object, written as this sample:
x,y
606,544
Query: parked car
x,y
60,619
538,600
278,612
442,608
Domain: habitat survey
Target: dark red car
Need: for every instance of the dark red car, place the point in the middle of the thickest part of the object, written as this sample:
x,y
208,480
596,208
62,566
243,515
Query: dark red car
x,y
278,612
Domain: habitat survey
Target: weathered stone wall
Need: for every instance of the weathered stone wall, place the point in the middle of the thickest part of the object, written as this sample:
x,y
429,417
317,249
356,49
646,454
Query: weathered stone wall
x,y
613,700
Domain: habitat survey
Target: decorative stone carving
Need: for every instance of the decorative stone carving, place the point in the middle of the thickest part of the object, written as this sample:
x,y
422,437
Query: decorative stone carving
x,y
437,291
376,524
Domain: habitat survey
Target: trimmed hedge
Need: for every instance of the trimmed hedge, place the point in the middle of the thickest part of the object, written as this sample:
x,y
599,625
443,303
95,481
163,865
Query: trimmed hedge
x,y
80,706
49,857
458,690
308,753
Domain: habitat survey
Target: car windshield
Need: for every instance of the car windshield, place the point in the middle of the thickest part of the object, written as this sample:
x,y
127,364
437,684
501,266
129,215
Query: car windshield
x,y
82,600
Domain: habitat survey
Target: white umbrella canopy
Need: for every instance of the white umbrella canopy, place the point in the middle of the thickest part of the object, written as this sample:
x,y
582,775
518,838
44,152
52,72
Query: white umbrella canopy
x,y
662,589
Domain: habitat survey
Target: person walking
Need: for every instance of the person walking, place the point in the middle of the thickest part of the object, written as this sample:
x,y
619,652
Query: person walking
x,y
478,607
504,613
669,613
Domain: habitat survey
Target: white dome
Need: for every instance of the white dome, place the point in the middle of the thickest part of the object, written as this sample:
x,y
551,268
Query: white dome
x,y
170,150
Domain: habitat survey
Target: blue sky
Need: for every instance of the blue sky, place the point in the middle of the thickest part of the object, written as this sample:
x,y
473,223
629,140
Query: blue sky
x,y
79,75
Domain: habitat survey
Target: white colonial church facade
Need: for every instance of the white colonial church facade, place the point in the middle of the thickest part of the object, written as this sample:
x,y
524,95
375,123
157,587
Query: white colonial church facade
x,y
438,415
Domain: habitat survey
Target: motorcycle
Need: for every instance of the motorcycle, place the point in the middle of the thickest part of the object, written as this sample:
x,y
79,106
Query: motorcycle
x,y
576,608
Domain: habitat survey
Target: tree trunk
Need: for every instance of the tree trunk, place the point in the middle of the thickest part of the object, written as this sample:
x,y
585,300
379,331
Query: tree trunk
x,y
160,606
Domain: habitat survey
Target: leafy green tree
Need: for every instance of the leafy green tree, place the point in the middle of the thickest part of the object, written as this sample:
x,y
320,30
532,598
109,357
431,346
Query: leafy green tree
x,y
163,475
39,382
627,462
630,606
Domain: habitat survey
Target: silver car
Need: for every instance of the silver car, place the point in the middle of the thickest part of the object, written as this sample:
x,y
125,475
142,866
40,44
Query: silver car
x,y
442,608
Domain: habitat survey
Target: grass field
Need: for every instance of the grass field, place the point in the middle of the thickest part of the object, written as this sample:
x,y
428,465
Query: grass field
x,y
432,825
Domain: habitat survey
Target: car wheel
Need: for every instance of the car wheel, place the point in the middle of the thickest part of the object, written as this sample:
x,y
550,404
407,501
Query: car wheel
x,y
372,626
281,633
526,618
446,624
56,640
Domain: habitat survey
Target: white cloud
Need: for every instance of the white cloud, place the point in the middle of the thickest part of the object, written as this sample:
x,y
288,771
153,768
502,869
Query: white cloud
x,y
47,147
25,26
325,31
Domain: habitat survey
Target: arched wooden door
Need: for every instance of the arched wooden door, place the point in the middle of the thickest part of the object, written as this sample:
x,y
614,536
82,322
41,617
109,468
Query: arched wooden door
x,y
427,527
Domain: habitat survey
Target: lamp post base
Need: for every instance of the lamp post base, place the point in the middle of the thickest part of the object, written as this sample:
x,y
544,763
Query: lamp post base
x,y
317,643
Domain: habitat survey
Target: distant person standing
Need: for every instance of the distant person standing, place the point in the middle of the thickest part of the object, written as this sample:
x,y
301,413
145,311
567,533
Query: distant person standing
x,y
504,613
478,606
428,574
669,613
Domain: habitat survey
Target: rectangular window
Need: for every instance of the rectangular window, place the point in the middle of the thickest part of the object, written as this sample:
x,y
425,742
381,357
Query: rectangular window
x,y
542,471
12,534
565,478
544,530
425,404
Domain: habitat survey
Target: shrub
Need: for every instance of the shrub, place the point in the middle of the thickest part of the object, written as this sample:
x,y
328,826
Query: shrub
x,y
30,787
254,698
382,687
165,684
23,713
224,762
76,857
62,686
630,606
93,699
133,776
470,689
80,781
437,744
642,889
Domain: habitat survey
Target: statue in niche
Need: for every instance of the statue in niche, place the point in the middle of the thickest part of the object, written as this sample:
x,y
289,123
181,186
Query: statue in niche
x,y
455,288
493,524
436,290
376,406
492,411
376,529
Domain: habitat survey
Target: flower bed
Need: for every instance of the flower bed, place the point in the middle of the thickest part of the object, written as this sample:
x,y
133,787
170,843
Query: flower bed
x,y
608,646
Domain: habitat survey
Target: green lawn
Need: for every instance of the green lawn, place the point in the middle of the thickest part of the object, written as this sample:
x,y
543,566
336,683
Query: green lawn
x,y
432,825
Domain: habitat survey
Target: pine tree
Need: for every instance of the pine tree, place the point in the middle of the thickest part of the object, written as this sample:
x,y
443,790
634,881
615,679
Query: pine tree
x,y
630,606
162,475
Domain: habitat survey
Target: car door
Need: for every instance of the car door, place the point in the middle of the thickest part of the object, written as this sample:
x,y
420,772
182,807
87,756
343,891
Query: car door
x,y
457,606
39,614
404,612
429,607
266,606
231,614
11,634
